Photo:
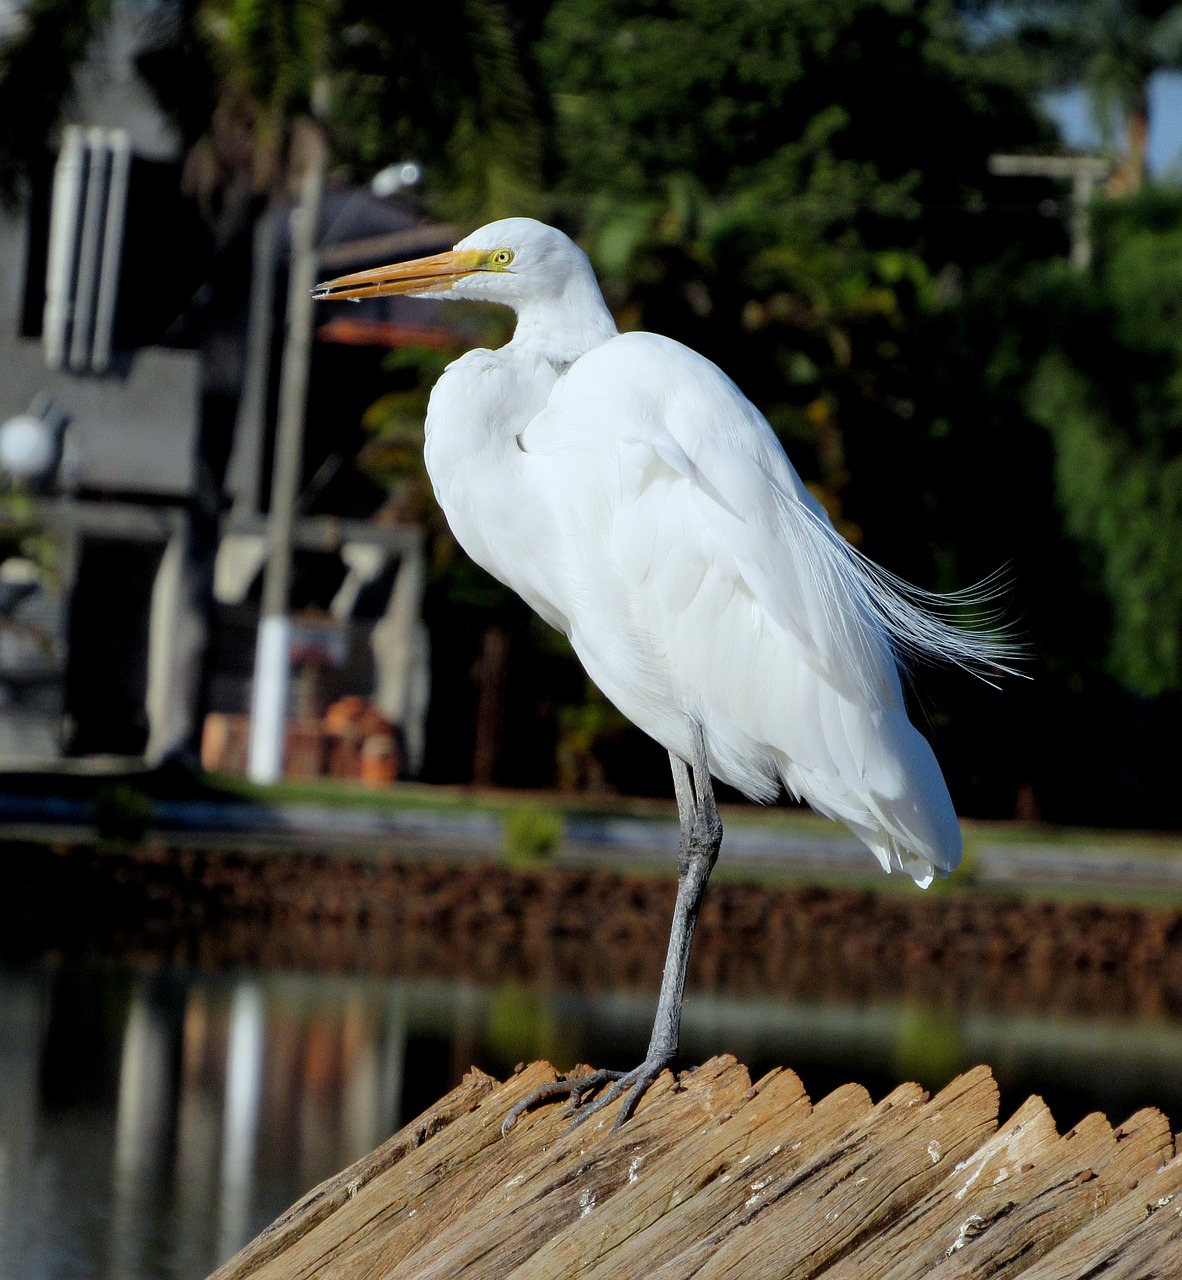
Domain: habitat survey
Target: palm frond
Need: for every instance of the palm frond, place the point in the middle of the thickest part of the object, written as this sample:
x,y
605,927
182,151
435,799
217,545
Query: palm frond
x,y
37,68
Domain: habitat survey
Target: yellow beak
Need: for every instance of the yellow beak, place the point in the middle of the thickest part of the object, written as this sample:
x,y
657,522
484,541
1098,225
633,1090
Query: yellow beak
x,y
424,275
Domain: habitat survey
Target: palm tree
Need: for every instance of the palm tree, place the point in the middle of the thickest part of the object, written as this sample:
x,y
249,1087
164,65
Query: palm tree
x,y
1112,48
232,75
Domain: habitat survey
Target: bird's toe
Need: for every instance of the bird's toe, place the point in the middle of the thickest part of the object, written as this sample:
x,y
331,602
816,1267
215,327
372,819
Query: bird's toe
x,y
631,1085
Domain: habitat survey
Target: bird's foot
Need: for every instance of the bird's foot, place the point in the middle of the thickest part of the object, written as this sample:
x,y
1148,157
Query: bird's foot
x,y
632,1083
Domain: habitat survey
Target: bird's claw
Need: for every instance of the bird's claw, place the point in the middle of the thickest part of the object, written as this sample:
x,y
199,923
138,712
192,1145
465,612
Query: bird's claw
x,y
632,1083
574,1089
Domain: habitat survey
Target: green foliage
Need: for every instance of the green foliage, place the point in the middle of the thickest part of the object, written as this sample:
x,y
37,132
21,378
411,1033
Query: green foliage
x,y
269,53
799,191
583,729
519,1024
810,118
1112,48
532,834
394,426
447,89
37,66
1108,389
443,84
23,534
930,1048
121,812
763,183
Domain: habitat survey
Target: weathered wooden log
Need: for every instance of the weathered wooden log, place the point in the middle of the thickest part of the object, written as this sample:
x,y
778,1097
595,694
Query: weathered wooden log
x,y
717,1178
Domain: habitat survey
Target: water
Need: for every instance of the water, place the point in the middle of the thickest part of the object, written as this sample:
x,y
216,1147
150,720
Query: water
x,y
152,1120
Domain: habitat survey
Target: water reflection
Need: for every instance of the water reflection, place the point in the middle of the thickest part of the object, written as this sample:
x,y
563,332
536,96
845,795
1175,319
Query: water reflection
x,y
152,1122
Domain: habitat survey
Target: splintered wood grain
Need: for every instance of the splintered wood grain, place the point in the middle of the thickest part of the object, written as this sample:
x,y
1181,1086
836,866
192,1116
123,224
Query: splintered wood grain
x,y
797,1223
1138,1235
440,1206
989,1216
690,1190
1152,1251
1061,1191
279,1239
418,1186
918,1237
717,1179
579,1173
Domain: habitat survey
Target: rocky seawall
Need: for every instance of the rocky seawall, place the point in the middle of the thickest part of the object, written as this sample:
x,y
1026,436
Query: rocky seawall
x,y
603,929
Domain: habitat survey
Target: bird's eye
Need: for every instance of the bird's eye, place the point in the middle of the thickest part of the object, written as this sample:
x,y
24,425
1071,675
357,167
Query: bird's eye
x,y
502,257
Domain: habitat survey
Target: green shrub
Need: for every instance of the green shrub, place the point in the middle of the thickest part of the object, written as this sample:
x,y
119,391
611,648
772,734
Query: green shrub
x,y
532,834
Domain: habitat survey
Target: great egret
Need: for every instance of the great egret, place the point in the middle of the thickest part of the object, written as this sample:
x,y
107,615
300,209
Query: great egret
x,y
629,492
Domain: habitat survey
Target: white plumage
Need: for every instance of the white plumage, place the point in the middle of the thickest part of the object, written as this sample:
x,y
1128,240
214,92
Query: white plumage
x,y
629,492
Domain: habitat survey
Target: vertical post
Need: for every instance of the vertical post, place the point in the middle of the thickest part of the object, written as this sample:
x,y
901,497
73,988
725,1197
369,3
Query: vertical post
x,y
173,640
89,249
402,655
246,459
63,232
110,259
1083,188
271,671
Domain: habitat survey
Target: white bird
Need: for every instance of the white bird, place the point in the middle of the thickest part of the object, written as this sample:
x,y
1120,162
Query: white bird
x,y
628,491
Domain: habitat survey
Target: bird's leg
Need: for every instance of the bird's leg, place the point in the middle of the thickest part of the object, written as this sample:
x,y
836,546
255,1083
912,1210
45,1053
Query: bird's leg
x,y
701,836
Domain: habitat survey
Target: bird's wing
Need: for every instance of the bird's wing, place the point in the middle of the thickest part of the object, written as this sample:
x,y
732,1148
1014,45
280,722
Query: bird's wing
x,y
702,487
697,534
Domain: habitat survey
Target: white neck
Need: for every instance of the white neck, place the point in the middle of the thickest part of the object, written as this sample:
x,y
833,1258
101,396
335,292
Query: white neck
x,y
564,327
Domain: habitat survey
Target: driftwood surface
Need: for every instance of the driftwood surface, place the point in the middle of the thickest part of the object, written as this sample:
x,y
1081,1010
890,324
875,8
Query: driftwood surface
x,y
716,1177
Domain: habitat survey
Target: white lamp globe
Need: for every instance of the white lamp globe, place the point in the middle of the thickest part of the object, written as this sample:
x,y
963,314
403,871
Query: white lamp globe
x,y
27,447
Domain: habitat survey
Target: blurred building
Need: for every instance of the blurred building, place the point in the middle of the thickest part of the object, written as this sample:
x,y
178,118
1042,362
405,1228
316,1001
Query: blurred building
x,y
141,353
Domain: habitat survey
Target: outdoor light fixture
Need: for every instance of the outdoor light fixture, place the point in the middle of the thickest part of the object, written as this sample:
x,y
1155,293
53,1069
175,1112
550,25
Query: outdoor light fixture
x,y
31,442
391,179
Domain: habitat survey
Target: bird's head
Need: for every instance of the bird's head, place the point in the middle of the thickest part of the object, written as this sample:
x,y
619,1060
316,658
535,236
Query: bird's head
x,y
515,261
